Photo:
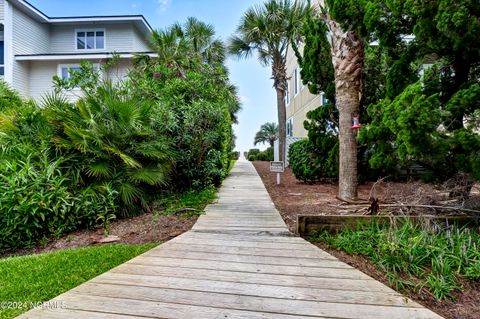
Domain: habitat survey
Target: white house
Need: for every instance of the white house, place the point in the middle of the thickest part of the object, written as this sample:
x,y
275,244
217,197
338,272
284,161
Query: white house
x,y
34,47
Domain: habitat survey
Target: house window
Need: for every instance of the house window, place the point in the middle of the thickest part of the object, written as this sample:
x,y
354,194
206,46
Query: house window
x,y
296,79
300,79
90,39
2,58
290,127
324,99
65,71
287,94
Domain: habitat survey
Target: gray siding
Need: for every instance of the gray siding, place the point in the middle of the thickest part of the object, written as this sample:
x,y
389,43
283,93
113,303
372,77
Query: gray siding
x,y
141,43
120,71
118,37
21,75
40,82
41,73
30,37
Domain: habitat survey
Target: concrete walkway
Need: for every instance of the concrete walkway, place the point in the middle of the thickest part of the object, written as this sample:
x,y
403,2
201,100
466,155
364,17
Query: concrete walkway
x,y
238,261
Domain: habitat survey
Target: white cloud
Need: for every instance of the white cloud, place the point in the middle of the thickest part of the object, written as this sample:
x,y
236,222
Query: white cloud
x,y
164,5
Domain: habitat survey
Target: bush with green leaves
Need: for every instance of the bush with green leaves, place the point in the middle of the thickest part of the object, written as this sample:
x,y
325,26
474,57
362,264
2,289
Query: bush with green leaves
x,y
266,155
415,257
112,137
190,80
37,201
311,163
252,154
39,197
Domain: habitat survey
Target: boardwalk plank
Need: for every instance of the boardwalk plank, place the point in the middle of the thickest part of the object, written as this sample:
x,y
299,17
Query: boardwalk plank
x,y
279,292
312,253
230,260
259,304
245,277
335,269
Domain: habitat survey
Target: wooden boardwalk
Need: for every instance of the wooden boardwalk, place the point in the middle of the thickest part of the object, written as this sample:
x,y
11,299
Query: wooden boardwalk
x,y
238,261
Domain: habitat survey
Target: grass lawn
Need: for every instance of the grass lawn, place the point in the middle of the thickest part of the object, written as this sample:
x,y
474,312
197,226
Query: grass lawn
x,y
194,199
42,277
230,166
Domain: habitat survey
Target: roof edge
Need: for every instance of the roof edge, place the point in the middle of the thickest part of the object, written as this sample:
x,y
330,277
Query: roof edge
x,y
48,19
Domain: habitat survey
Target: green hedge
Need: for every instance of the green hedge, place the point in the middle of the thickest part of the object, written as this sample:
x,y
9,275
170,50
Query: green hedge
x,y
255,154
310,164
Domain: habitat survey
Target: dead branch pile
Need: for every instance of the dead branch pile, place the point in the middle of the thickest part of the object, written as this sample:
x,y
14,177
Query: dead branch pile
x,y
456,196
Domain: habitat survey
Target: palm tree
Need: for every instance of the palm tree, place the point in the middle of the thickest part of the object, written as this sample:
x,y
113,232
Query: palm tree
x,y
194,40
268,29
201,37
347,49
268,134
170,45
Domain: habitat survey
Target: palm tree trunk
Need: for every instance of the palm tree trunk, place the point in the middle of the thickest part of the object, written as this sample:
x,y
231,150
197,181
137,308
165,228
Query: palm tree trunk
x,y
282,123
347,58
347,103
279,75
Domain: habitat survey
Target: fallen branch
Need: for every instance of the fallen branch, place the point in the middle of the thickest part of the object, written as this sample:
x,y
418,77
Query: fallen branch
x,y
359,207
185,210
466,210
364,202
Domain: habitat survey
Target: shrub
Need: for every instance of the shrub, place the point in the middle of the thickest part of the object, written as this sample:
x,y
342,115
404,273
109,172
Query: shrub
x,y
234,155
39,191
252,158
113,138
198,104
253,151
269,153
266,155
37,200
310,164
261,157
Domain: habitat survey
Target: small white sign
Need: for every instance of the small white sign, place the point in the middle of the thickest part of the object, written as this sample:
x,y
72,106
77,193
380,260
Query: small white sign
x,y
277,167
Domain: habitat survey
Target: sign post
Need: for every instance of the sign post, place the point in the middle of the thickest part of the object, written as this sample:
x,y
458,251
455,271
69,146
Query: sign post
x,y
277,167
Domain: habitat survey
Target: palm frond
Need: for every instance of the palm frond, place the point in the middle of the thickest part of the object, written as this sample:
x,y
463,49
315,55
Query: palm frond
x,y
129,192
150,175
99,169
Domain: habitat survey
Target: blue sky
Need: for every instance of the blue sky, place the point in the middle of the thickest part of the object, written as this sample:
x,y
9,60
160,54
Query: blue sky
x,y
255,85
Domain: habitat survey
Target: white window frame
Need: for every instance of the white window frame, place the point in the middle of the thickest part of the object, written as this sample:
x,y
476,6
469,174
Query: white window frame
x,y
296,84
287,95
289,127
323,100
4,56
95,30
302,87
72,65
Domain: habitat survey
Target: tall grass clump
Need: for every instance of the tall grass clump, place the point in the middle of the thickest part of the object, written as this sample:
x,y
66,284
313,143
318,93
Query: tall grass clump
x,y
414,256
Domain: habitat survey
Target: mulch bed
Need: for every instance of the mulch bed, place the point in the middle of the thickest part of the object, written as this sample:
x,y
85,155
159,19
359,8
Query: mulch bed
x,y
293,198
142,229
